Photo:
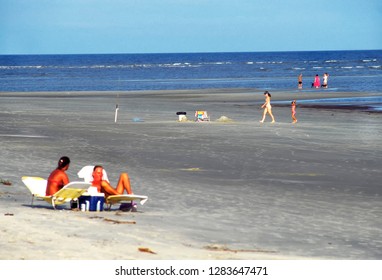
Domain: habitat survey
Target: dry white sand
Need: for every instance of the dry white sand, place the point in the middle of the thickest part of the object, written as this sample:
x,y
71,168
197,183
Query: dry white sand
x,y
218,190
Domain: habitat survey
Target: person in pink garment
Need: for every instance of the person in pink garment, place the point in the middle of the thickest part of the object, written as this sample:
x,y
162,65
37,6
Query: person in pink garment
x,y
316,82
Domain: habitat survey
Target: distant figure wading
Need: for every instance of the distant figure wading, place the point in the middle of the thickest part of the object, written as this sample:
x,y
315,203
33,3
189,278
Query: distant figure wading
x,y
267,107
316,83
300,81
325,80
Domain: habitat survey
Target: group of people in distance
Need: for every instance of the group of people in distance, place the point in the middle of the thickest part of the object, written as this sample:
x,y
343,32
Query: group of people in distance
x,y
317,81
58,179
268,108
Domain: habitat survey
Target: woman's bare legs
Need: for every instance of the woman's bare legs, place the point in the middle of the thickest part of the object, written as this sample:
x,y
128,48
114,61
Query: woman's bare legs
x,y
124,184
270,113
264,114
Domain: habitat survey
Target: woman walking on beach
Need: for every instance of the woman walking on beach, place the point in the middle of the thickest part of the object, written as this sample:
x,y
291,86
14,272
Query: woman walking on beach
x,y
267,107
293,109
58,178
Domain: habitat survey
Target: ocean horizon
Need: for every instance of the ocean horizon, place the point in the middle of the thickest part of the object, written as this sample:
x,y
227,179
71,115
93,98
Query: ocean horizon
x,y
352,71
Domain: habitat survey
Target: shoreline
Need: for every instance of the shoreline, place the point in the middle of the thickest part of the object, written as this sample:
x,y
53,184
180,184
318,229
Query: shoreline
x,y
201,90
280,98
232,92
218,190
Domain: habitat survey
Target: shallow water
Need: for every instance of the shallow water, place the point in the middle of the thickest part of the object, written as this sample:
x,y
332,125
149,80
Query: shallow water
x,y
351,71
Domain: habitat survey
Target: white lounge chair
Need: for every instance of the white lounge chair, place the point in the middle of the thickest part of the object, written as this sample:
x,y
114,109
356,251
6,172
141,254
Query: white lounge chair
x,y
71,191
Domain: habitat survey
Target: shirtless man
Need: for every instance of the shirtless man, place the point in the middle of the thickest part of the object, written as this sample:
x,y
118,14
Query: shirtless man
x,y
300,81
325,80
58,178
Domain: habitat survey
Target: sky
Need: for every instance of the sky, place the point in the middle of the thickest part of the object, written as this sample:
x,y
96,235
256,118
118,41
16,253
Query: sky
x,y
180,26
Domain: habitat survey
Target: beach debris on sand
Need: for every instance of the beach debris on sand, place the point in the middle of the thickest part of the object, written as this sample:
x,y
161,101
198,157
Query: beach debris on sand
x,y
146,250
119,222
5,182
223,248
113,220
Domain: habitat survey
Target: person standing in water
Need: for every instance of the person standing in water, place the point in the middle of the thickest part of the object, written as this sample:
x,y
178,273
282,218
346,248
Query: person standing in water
x,y
267,107
316,82
300,81
325,80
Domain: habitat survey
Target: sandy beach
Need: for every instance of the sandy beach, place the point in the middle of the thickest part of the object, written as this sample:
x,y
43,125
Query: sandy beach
x,y
237,189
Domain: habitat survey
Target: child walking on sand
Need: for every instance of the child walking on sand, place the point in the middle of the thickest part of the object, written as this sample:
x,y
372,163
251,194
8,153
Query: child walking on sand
x,y
293,109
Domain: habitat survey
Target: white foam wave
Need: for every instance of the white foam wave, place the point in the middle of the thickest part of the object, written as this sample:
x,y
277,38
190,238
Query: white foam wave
x,y
11,67
369,60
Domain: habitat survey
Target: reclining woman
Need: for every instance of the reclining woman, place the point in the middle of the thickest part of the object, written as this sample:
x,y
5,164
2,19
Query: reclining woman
x,y
105,187
58,178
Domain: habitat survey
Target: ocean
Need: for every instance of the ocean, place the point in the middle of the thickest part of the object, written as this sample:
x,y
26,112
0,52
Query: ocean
x,y
352,71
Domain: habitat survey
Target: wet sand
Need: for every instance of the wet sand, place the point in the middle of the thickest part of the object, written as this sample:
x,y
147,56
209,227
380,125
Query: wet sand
x,y
219,190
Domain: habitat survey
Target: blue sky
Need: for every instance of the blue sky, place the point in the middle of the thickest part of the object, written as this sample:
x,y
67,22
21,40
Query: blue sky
x,y
164,26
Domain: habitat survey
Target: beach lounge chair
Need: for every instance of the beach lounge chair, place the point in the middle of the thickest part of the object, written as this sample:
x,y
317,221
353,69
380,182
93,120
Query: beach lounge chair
x,y
86,174
71,191
201,116
121,198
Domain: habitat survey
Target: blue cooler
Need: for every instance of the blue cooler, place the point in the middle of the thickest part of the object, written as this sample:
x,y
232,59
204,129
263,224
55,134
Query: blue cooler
x,y
91,202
